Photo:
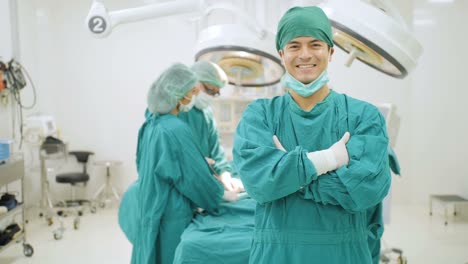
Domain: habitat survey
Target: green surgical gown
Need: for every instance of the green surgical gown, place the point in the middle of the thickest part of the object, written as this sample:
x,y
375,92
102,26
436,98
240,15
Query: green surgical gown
x,y
206,135
222,237
301,218
173,178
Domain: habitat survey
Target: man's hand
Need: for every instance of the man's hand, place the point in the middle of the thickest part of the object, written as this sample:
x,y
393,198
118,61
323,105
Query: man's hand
x,y
331,158
340,152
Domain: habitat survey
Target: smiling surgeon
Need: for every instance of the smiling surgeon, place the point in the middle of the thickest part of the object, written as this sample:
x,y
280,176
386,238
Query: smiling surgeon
x,y
315,160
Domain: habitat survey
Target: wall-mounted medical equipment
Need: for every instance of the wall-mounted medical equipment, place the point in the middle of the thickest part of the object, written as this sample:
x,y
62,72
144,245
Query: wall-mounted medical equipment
x,y
244,51
13,81
2,81
11,76
38,127
374,33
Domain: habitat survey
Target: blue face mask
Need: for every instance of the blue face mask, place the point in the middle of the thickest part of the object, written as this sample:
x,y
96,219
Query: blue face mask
x,y
304,90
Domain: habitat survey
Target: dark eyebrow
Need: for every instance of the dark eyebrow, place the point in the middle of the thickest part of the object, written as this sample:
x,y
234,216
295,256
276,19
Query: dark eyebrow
x,y
316,40
312,41
293,42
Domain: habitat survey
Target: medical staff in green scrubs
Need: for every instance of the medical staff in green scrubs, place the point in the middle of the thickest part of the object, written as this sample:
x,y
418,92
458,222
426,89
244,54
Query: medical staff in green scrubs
x,y
173,176
315,160
200,119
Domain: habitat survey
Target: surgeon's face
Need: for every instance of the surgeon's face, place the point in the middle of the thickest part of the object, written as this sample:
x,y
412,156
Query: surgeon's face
x,y
188,96
305,58
210,89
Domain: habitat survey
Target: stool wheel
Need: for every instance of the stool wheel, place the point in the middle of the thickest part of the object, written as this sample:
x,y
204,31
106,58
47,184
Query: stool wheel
x,y
76,223
58,234
28,250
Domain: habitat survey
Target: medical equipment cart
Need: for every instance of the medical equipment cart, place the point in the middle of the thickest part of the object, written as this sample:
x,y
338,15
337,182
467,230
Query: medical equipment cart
x,y
10,171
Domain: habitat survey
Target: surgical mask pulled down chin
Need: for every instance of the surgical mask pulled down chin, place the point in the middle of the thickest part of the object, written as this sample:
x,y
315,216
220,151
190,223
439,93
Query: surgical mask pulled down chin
x,y
304,90
189,106
203,101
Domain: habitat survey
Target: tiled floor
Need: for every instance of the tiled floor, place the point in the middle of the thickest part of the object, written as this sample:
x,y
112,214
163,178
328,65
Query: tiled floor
x,y
423,239
98,240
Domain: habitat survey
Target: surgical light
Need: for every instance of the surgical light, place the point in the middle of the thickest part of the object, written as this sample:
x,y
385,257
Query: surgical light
x,y
244,51
248,60
371,31
375,34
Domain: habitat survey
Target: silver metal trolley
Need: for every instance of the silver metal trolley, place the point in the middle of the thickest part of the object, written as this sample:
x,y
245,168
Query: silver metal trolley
x,y
11,171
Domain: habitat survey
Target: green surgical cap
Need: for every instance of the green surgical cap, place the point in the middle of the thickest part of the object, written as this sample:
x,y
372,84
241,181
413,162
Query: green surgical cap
x,y
308,21
171,86
210,73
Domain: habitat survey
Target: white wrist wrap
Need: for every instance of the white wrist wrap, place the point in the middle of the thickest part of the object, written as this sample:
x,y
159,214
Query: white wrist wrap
x,y
323,160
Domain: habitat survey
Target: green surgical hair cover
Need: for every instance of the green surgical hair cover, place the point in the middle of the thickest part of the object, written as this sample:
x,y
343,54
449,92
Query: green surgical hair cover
x,y
308,21
171,86
208,72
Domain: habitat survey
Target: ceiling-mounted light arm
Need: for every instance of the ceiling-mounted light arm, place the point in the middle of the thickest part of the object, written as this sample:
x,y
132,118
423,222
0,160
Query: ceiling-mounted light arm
x,y
240,13
391,10
101,22
353,54
155,10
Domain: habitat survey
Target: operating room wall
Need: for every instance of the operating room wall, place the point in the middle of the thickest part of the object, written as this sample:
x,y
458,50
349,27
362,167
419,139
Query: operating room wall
x,y
430,102
6,53
95,88
439,121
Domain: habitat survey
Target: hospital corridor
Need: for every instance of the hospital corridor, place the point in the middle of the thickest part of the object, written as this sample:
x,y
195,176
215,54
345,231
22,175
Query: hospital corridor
x,y
233,132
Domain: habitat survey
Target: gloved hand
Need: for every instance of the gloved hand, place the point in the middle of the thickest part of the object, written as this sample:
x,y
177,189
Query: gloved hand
x,y
229,183
332,158
340,152
237,185
325,160
230,196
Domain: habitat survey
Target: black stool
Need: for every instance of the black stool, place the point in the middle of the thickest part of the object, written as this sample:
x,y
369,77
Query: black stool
x,y
75,205
74,178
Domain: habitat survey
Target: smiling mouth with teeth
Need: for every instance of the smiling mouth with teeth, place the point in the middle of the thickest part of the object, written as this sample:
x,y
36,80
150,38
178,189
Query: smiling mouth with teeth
x,y
306,66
